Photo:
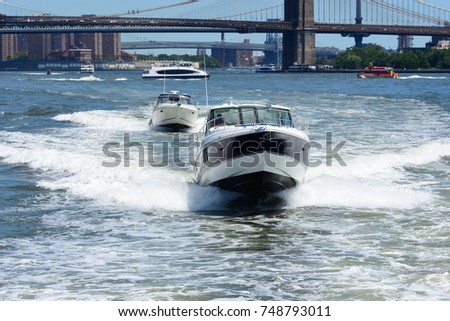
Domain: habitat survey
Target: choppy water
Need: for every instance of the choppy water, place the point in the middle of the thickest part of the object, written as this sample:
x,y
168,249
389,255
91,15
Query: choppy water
x,y
72,229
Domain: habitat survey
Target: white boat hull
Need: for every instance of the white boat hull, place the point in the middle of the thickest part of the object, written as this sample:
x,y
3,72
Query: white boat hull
x,y
87,69
185,71
253,163
254,174
175,116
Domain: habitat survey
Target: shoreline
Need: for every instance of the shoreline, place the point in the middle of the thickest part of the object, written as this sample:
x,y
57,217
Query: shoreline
x,y
32,66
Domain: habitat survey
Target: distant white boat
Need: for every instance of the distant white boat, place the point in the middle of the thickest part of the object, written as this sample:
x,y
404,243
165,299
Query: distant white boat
x,y
267,69
174,110
181,70
87,68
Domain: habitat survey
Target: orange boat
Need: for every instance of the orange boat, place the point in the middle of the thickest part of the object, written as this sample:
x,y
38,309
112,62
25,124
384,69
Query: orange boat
x,y
377,72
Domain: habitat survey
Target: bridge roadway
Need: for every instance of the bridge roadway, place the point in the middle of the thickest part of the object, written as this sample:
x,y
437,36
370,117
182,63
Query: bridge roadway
x,y
198,44
52,24
138,45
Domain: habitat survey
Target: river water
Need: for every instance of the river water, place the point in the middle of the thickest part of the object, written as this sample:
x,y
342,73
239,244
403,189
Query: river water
x,y
372,224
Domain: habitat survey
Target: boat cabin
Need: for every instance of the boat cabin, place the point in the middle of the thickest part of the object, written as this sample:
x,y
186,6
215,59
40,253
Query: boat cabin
x,y
379,71
249,115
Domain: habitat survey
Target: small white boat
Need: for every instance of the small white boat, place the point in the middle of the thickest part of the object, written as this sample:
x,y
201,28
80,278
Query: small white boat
x,y
181,70
267,69
175,110
252,149
87,68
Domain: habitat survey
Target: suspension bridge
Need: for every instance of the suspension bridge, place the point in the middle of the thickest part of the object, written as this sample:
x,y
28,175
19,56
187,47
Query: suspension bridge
x,y
298,20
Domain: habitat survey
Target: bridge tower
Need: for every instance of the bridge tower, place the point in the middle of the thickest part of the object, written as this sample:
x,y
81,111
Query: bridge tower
x,y
358,20
299,46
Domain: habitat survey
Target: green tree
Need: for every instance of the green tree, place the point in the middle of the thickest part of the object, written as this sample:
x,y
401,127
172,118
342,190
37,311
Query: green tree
x,y
21,55
407,60
374,54
434,56
444,62
354,58
348,61
423,60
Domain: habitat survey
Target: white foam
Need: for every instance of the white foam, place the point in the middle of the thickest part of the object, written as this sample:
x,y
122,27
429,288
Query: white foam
x,y
384,164
86,78
370,181
84,176
422,77
145,189
344,192
107,120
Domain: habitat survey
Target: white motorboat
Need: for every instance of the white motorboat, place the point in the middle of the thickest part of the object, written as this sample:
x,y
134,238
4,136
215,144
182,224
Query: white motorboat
x,y
252,149
267,69
175,110
87,68
181,70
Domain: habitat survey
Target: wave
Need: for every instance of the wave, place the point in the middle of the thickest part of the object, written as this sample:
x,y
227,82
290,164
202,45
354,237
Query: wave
x,y
87,78
369,181
105,119
422,77
83,175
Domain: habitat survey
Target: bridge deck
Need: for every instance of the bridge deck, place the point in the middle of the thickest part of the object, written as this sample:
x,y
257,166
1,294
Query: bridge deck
x,y
29,24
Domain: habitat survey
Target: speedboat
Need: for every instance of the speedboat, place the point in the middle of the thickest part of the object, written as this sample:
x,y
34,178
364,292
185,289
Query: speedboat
x,y
181,70
87,68
253,149
377,72
174,110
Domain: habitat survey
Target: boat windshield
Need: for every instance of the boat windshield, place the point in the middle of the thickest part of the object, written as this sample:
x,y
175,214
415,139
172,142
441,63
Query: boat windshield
x,y
174,99
249,116
377,70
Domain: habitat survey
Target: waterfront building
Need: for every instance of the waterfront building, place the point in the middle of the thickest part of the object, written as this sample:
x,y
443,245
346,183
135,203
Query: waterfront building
x,y
101,46
78,54
39,46
112,47
244,58
8,46
104,46
443,44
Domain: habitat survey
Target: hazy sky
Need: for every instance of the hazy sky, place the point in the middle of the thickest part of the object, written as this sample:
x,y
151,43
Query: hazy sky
x,y
107,7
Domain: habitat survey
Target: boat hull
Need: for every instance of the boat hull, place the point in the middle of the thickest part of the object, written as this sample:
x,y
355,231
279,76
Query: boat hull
x,y
184,71
256,164
175,77
363,76
258,183
175,116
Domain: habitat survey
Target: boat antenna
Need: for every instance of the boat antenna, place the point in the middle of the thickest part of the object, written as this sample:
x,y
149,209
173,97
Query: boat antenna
x,y
164,82
206,80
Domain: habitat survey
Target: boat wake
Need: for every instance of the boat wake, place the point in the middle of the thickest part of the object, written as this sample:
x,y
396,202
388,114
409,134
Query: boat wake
x,y
86,78
106,120
63,162
372,181
422,77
